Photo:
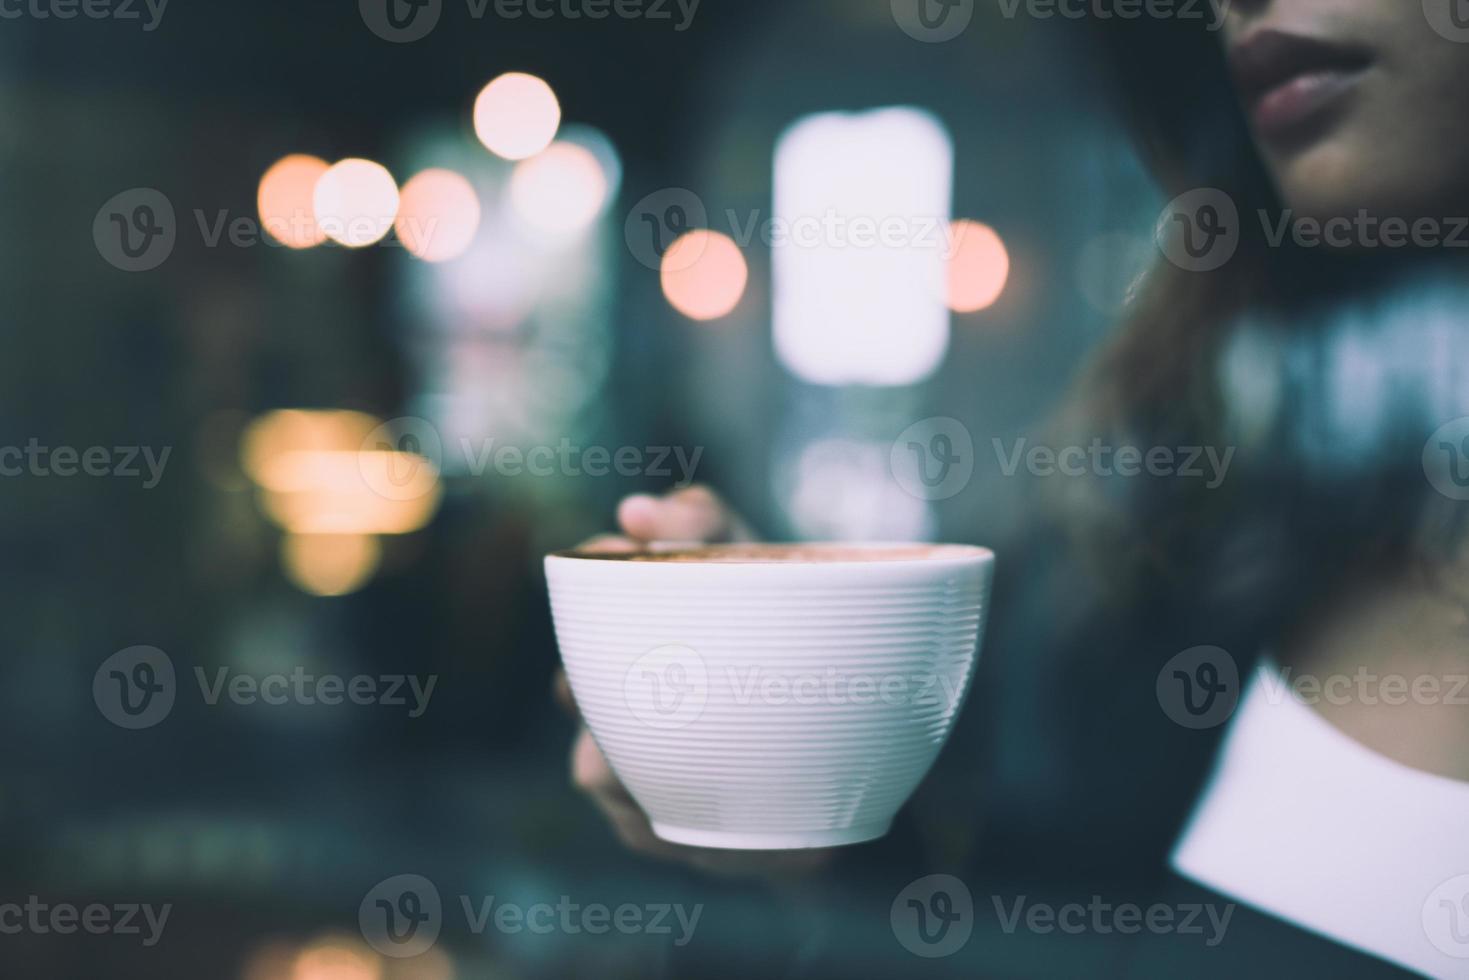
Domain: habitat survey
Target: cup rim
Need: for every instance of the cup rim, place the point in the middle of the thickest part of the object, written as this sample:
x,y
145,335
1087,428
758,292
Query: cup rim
x,y
938,552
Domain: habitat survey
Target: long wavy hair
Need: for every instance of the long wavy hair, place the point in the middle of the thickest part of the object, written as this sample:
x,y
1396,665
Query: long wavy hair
x,y
1325,371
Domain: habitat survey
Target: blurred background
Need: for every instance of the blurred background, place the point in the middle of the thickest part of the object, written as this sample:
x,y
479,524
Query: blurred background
x,y
367,307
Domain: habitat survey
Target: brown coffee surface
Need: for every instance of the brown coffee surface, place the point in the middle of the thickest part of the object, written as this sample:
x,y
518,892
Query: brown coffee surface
x,y
778,553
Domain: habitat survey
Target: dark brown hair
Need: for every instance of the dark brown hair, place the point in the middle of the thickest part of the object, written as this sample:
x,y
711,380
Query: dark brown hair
x,y
1256,541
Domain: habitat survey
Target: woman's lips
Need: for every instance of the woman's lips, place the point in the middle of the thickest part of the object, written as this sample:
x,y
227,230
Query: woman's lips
x,y
1286,107
1286,80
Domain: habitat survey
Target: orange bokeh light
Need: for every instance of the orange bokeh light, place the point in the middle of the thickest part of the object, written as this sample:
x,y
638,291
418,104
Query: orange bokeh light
x,y
363,492
288,430
330,564
978,267
332,496
337,958
285,200
704,274
438,215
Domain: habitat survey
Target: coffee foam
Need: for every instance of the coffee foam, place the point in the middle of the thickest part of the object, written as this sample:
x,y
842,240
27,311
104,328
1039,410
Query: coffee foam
x,y
753,554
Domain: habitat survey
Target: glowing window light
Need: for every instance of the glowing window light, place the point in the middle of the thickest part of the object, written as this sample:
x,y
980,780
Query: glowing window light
x,y
297,430
350,492
356,202
285,201
560,192
516,116
979,266
704,275
404,475
438,215
858,278
330,565
315,478
331,496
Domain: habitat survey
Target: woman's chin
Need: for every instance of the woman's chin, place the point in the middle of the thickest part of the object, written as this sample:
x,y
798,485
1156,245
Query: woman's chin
x,y
1330,181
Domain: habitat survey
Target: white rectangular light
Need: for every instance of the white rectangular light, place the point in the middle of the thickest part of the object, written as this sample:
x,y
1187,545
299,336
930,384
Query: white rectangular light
x,y
859,246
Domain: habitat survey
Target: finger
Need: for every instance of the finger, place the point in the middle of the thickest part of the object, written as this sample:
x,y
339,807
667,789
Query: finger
x,y
607,544
590,772
592,775
692,514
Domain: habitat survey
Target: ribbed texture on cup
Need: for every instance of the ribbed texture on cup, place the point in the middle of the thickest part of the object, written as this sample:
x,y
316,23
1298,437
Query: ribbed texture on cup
x,y
744,715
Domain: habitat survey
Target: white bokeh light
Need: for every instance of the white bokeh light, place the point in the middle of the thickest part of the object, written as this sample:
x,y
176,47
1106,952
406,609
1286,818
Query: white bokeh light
x,y
356,202
516,115
838,489
558,194
859,280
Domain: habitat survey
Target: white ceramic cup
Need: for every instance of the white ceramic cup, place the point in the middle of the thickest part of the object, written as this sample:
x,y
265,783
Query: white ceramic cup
x,y
783,697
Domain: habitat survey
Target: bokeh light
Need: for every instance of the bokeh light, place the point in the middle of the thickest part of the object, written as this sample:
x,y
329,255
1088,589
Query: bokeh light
x,y
600,146
839,489
560,192
337,959
516,115
286,200
299,430
704,274
356,202
494,288
979,266
438,215
338,492
332,496
329,565
849,311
